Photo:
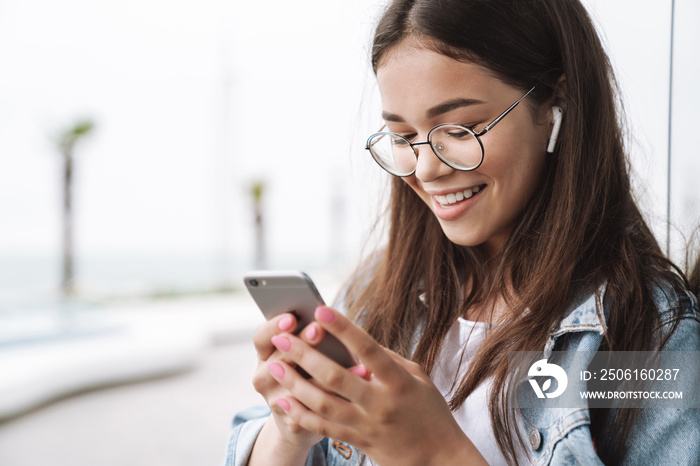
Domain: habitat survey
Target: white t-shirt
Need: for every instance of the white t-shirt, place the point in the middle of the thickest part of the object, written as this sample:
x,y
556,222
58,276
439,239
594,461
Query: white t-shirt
x,y
458,350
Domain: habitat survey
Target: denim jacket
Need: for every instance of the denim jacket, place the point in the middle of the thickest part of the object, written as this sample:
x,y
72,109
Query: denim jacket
x,y
557,436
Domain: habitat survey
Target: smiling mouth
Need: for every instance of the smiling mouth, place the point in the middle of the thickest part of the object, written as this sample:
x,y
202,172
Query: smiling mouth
x,y
455,198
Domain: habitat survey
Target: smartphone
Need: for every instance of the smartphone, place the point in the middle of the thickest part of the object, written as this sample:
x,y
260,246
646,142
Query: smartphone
x,y
277,292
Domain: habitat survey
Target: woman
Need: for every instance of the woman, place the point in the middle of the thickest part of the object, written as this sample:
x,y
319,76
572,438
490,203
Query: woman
x,y
513,228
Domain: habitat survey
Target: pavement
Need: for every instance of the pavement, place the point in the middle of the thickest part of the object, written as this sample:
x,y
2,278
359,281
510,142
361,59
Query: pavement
x,y
141,383
97,347
178,420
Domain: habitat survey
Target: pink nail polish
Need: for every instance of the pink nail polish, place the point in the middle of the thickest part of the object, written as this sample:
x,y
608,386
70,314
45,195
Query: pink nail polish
x,y
281,343
311,333
285,323
284,404
360,371
276,370
324,314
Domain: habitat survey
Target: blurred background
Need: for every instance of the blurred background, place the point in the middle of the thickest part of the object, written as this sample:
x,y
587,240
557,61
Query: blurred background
x,y
199,140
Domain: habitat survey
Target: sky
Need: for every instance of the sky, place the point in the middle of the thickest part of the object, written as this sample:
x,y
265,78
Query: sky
x,y
195,101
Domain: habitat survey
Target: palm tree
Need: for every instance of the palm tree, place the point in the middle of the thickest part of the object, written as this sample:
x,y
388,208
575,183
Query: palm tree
x,y
66,145
257,189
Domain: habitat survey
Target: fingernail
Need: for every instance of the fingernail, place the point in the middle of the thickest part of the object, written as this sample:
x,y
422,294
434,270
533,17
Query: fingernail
x,y
284,404
285,323
324,314
360,371
275,369
281,343
311,333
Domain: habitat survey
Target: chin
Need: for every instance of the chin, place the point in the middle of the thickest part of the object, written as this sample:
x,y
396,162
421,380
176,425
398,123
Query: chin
x,y
488,242
461,237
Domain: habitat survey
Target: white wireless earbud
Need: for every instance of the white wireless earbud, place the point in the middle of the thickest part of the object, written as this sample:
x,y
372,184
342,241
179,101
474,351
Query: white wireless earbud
x,y
557,114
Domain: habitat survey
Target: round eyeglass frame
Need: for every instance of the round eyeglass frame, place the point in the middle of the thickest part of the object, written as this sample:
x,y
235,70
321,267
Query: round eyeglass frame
x,y
430,143
450,164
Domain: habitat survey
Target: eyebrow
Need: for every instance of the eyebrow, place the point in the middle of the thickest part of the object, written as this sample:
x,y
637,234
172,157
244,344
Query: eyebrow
x,y
436,110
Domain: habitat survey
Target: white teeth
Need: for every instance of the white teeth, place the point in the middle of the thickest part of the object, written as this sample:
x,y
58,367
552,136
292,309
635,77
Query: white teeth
x,y
453,198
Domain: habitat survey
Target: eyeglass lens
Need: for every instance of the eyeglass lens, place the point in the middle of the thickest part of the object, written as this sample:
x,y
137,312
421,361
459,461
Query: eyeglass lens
x,y
455,145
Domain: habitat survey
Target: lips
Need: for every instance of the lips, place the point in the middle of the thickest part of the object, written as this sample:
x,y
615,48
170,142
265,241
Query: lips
x,y
451,205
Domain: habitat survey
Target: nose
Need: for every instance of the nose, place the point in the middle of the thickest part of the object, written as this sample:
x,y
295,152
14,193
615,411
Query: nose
x,y
428,166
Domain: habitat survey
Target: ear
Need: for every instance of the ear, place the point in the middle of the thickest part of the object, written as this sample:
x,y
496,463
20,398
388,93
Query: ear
x,y
559,97
557,115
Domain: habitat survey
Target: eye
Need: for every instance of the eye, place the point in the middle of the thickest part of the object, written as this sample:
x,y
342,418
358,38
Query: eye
x,y
399,141
402,139
459,134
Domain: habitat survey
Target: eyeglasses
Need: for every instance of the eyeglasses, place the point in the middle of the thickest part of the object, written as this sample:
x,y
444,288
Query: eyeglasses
x,y
458,146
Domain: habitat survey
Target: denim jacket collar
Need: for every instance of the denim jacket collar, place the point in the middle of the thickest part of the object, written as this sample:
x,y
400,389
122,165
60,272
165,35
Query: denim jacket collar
x,y
585,314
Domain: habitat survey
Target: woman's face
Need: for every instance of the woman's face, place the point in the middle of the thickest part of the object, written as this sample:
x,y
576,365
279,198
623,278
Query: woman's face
x,y
414,84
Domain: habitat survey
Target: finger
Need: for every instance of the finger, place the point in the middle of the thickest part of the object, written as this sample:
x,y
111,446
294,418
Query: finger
x,y
263,382
372,354
331,376
412,367
278,324
270,389
312,422
324,404
273,405
313,334
361,371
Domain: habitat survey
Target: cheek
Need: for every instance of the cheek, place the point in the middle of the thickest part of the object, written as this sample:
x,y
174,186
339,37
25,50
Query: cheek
x,y
413,184
516,165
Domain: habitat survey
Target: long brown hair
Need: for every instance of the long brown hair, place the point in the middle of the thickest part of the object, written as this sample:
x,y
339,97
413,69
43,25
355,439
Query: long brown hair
x,y
582,227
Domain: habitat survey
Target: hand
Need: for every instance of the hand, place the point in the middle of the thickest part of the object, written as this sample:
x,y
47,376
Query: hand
x,y
288,429
395,416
